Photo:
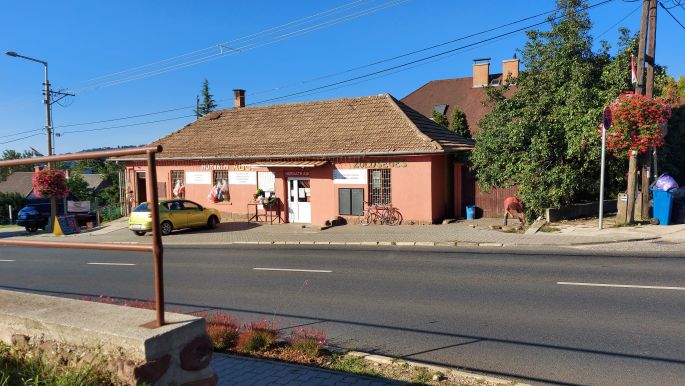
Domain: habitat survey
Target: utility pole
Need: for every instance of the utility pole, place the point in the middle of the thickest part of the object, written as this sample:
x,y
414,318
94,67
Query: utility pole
x,y
639,89
649,92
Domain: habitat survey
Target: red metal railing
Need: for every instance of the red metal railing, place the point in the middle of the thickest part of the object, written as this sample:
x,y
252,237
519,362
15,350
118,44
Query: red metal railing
x,y
156,248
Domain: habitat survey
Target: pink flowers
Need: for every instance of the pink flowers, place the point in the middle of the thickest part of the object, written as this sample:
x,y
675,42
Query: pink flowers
x,y
638,124
50,183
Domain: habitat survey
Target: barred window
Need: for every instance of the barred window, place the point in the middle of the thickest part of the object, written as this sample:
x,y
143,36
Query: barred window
x,y
177,178
218,176
379,187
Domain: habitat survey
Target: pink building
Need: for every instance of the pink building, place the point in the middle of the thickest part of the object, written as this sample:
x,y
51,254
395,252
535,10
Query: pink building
x,y
321,160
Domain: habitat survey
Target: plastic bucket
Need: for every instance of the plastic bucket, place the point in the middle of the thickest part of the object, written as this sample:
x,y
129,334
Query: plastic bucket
x,y
470,212
663,205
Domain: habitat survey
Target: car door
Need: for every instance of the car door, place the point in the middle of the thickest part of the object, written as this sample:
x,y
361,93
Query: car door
x,y
196,216
177,215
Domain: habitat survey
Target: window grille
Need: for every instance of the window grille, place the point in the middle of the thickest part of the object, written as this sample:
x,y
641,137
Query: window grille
x,y
177,177
379,187
218,176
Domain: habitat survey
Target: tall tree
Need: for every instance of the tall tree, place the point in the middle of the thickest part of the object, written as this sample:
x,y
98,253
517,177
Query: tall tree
x,y
13,154
459,124
208,104
544,139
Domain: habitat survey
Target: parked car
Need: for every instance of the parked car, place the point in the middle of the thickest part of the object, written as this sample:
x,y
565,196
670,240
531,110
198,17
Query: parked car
x,y
173,214
36,215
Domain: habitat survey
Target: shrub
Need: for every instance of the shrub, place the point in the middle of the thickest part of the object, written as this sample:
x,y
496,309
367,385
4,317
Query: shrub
x,y
257,336
223,329
308,342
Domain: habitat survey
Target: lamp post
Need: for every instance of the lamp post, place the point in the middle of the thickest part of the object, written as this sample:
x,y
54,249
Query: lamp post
x,y
48,125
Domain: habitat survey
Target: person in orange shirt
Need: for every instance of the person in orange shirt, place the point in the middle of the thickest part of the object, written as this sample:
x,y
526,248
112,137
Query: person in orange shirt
x,y
514,208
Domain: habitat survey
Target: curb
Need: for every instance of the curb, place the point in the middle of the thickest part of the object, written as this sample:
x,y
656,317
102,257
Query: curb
x,y
445,370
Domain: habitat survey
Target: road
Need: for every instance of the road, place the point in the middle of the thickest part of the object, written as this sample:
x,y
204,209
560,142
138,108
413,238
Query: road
x,y
499,312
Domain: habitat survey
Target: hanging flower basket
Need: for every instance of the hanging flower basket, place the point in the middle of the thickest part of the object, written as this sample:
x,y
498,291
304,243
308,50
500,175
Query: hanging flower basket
x,y
638,124
50,183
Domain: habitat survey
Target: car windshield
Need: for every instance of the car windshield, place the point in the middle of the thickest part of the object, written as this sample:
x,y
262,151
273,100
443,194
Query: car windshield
x,y
142,208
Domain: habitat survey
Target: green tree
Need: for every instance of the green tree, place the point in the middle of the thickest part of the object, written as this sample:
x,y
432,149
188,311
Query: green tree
x,y
208,104
459,124
79,188
544,138
109,171
13,154
15,200
440,119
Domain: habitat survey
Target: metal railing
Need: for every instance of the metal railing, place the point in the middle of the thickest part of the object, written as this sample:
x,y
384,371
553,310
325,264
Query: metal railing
x,y
156,248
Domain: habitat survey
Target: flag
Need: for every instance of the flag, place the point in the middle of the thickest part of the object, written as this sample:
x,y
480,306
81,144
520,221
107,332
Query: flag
x,y
633,73
35,153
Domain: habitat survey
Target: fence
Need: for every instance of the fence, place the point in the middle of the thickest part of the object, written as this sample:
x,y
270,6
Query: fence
x,y
156,248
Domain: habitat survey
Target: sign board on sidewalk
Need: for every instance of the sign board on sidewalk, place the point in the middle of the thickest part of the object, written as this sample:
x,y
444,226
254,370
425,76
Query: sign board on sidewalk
x,y
68,225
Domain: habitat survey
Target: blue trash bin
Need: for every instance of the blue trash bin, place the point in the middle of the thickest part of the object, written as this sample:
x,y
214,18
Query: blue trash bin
x,y
662,205
470,212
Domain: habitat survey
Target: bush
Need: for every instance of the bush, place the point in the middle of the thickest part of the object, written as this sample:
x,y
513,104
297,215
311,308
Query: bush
x,y
308,342
10,199
257,336
223,329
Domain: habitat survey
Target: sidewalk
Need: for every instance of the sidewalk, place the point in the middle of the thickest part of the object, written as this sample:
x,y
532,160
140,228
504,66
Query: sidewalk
x,y
464,233
236,370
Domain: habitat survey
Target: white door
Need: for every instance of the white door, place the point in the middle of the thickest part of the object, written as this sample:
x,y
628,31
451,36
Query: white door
x,y
299,200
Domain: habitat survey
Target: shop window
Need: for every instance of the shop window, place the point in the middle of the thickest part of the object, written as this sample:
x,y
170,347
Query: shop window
x,y
219,177
351,201
379,187
178,181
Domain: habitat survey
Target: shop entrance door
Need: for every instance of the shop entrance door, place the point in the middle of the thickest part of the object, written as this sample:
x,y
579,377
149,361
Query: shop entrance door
x,y
141,188
299,200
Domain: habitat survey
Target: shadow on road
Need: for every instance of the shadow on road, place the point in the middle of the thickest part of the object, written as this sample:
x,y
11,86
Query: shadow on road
x,y
472,338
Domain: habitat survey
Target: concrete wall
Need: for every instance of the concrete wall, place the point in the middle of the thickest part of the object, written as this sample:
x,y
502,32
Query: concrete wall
x,y
175,354
579,210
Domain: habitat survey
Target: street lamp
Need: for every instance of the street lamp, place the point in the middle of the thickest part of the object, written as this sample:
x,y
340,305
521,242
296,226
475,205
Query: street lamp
x,y
48,112
48,127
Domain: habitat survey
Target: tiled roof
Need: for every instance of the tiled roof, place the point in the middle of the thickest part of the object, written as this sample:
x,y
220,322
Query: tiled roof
x,y
457,91
18,182
376,124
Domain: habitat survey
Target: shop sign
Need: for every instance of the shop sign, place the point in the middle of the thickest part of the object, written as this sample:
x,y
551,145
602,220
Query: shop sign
x,y
198,178
78,206
297,174
242,178
214,167
350,176
380,165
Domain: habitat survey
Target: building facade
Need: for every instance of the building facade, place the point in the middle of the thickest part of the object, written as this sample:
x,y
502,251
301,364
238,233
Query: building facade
x,y
319,160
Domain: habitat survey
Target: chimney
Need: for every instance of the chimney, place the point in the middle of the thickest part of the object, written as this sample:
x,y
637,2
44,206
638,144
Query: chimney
x,y
481,72
510,68
238,98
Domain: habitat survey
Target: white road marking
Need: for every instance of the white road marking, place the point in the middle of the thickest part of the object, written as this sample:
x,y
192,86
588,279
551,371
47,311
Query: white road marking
x,y
110,264
622,286
6,261
293,270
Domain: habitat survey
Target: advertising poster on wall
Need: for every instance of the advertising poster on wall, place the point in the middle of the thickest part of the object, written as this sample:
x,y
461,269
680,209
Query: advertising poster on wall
x,y
198,178
350,176
242,178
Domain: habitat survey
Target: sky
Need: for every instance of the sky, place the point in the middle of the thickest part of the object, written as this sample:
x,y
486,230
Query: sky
x,y
138,58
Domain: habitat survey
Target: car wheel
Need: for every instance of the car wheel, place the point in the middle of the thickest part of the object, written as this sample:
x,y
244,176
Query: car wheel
x,y
32,229
139,233
211,223
166,227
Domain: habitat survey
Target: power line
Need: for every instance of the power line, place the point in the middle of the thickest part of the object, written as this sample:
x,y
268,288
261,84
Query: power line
x,y
619,22
373,75
419,60
209,57
672,16
129,125
19,139
20,133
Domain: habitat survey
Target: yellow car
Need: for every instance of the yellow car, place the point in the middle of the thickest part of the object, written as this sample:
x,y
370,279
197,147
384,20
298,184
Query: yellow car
x,y
173,214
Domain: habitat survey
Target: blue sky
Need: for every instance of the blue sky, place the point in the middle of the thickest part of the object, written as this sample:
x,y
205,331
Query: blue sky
x,y
83,40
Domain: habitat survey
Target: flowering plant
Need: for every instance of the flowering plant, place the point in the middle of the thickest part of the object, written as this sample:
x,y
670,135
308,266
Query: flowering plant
x,y
50,183
638,124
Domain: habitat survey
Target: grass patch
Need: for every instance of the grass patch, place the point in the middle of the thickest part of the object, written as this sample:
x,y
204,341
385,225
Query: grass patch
x,y
549,229
421,376
352,364
31,368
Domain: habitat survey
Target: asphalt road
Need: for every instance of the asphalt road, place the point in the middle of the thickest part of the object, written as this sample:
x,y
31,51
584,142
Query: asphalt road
x,y
493,311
